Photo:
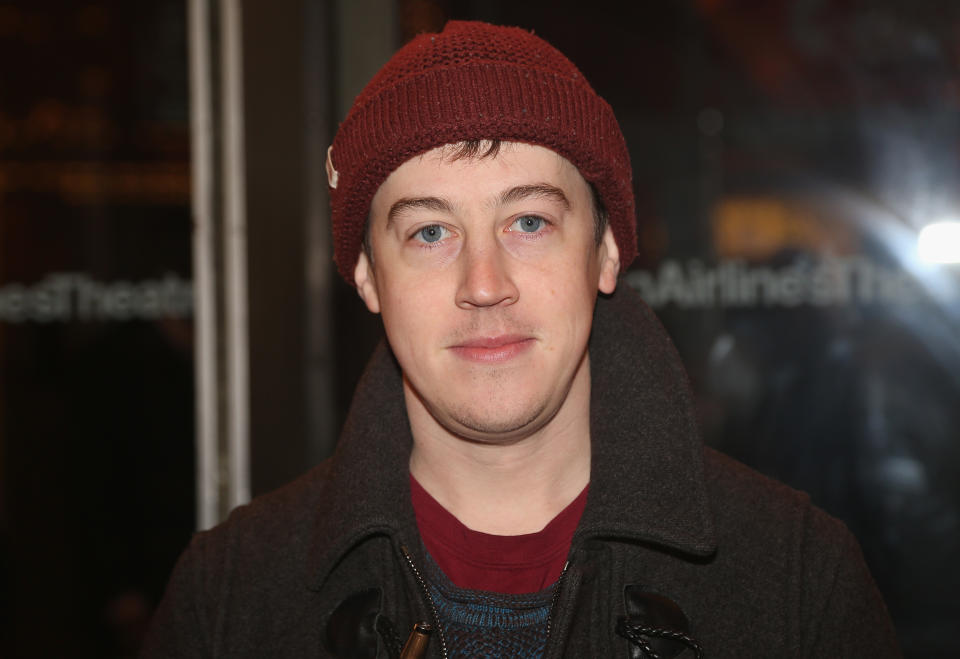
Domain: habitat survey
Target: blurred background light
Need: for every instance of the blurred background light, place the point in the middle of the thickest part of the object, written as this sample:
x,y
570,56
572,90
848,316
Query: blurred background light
x,y
940,242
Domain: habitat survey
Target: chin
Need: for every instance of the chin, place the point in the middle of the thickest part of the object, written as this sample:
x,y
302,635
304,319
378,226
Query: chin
x,y
497,425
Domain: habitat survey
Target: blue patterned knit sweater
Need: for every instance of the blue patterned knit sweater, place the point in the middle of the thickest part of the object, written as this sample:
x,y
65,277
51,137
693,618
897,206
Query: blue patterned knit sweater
x,y
484,625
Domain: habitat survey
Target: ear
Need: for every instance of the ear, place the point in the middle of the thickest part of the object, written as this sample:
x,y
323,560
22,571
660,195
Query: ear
x,y
609,262
363,276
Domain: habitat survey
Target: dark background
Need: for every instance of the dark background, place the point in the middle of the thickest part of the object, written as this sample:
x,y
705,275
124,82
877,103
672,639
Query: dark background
x,y
96,415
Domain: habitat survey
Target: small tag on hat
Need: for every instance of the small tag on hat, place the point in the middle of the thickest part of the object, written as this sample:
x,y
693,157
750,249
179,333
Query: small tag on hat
x,y
332,174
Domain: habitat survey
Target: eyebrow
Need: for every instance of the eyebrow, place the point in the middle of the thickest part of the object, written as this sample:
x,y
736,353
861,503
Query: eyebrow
x,y
510,195
407,203
536,190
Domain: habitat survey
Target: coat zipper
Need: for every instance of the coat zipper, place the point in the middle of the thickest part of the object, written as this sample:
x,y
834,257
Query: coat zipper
x,y
553,603
433,607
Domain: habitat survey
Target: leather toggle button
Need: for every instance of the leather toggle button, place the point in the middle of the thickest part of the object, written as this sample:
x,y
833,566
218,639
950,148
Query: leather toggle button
x,y
351,628
653,611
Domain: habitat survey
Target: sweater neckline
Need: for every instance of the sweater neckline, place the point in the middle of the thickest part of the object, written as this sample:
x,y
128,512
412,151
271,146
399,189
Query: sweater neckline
x,y
498,563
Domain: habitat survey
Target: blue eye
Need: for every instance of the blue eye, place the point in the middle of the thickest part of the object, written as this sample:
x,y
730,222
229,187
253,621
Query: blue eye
x,y
529,223
431,234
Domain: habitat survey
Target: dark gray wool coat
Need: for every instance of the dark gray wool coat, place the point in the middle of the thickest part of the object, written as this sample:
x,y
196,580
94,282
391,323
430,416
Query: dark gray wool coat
x,y
676,541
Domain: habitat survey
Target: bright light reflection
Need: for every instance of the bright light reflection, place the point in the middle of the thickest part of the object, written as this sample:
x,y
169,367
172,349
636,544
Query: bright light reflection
x,y
940,242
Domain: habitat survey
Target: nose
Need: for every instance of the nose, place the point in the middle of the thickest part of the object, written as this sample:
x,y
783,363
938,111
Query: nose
x,y
485,278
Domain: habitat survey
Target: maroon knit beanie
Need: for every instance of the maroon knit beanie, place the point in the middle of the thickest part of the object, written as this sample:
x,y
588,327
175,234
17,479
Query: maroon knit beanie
x,y
474,81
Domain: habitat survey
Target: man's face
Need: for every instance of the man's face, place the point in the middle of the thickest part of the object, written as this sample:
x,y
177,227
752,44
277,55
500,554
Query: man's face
x,y
486,272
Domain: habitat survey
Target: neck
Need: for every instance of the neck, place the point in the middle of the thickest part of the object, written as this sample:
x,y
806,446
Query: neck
x,y
506,488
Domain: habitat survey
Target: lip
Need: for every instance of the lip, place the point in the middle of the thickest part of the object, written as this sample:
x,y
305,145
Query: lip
x,y
493,349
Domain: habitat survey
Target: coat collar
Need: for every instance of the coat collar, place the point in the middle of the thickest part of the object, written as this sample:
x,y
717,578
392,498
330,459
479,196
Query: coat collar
x,y
647,483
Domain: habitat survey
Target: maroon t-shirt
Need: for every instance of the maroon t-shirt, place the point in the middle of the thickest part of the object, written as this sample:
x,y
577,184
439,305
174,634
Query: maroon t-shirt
x,y
498,563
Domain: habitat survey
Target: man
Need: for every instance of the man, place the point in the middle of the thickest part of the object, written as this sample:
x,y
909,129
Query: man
x,y
520,471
